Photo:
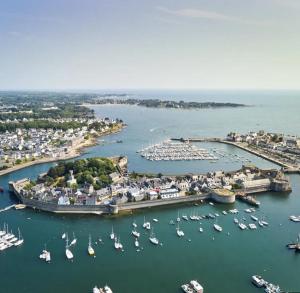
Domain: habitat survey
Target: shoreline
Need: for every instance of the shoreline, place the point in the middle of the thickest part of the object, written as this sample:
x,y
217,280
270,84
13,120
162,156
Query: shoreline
x,y
75,152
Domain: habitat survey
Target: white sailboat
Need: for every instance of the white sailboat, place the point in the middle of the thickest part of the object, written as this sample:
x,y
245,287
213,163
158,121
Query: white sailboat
x,y
146,225
118,244
20,239
69,253
136,243
73,242
135,233
218,228
179,232
134,224
178,218
153,238
90,248
112,234
63,236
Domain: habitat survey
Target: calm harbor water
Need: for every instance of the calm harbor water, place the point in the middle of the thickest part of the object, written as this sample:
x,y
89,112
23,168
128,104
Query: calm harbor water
x,y
220,262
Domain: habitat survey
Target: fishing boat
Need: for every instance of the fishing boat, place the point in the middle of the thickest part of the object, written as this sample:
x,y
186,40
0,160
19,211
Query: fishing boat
x,y
153,238
69,253
90,248
179,232
112,234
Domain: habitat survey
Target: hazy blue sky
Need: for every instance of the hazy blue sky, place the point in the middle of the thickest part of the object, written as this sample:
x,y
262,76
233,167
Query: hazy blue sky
x,y
94,44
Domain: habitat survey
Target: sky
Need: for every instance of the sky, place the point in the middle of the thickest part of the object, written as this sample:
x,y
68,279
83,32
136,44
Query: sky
x,y
149,44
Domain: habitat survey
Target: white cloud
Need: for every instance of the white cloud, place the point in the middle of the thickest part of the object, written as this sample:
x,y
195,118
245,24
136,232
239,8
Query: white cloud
x,y
205,14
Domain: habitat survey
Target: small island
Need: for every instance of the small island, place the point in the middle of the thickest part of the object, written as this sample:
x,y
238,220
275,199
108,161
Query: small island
x,y
157,103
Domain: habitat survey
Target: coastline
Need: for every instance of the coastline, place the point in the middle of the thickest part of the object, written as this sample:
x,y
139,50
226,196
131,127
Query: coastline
x,y
75,152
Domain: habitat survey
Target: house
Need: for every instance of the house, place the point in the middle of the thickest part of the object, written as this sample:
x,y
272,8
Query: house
x,y
169,193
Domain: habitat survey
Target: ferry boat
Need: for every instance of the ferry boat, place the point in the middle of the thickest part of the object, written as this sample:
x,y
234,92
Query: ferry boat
x,y
90,248
153,239
218,228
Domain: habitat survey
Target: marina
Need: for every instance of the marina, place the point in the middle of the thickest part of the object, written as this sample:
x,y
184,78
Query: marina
x,y
175,151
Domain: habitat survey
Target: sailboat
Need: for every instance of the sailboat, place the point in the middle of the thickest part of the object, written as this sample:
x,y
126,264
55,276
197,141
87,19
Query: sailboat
x,y
63,236
90,248
136,243
73,242
135,233
20,239
178,218
153,239
118,244
112,234
179,232
69,254
146,225
134,224
218,227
